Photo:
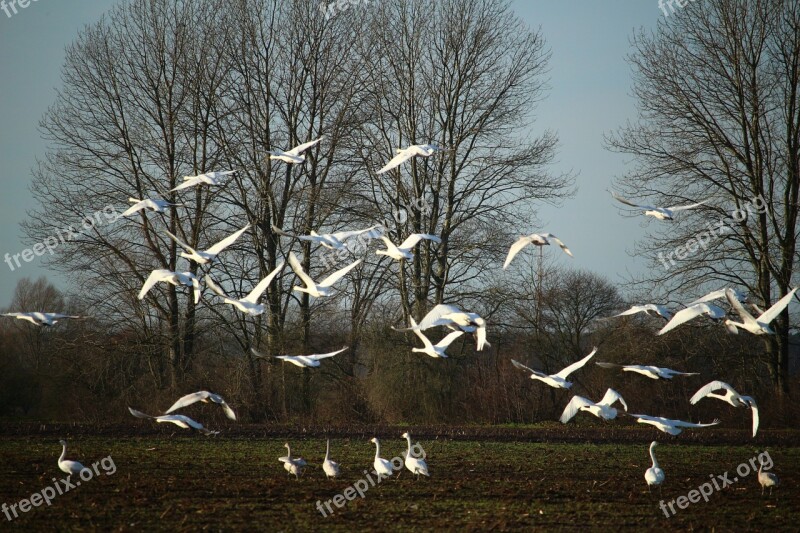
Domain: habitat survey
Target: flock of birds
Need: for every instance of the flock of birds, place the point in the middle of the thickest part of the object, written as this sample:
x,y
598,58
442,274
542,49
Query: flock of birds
x,y
446,315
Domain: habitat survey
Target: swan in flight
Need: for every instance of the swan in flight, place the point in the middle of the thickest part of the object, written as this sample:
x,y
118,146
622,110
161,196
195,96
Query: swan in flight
x,y
720,294
42,319
337,240
538,239
434,350
67,466
323,288
667,425
660,310
652,372
760,325
455,319
661,213
766,479
404,154
249,304
559,380
173,278
654,475
303,361
205,397
692,312
209,178
295,155
179,420
331,468
415,465
602,409
404,250
292,465
159,206
731,396
209,255
382,467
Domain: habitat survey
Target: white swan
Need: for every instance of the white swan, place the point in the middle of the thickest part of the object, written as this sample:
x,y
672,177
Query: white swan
x,y
652,372
323,288
293,465
455,319
537,239
159,206
693,311
42,319
205,397
415,465
404,154
181,421
209,178
295,155
382,466
766,479
434,350
331,468
67,466
654,475
303,361
558,380
661,213
668,425
337,240
173,278
602,409
760,325
404,250
660,310
249,304
731,396
206,256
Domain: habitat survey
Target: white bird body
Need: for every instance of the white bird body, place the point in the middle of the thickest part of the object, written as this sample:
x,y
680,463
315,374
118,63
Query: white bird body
x,y
434,350
661,213
660,310
209,178
295,155
654,475
767,479
181,421
205,397
602,409
760,325
404,250
207,256
652,372
293,465
323,288
731,397
67,466
455,319
173,278
331,468
693,311
558,380
159,206
415,465
668,425
337,240
404,154
382,466
303,361
249,304
537,239
41,319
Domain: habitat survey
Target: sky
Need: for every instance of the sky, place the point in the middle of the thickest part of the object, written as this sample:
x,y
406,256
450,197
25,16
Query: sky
x,y
589,96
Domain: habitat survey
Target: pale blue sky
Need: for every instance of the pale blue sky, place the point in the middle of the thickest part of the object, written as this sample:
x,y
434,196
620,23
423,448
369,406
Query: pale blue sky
x,y
590,84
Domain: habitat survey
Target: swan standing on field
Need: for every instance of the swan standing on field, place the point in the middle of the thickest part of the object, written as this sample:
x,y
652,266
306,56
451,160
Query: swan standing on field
x,y
668,425
602,409
293,465
205,397
692,312
652,372
334,241
455,319
71,467
416,465
331,468
434,350
654,475
537,239
173,278
382,466
731,396
323,288
660,310
249,304
404,154
159,206
760,325
559,380
42,319
209,178
181,421
766,479
207,256
403,251
295,155
661,213
303,361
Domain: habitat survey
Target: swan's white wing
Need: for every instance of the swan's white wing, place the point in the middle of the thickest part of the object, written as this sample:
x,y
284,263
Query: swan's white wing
x,y
448,340
612,396
414,238
211,284
481,340
279,231
259,289
628,202
690,313
682,424
532,371
189,399
298,269
139,414
416,329
754,408
556,240
684,207
319,356
576,365
608,365
339,274
154,277
227,241
134,208
188,181
430,320
716,295
770,314
573,407
707,388
746,317
344,235
396,161
300,148
521,243
181,243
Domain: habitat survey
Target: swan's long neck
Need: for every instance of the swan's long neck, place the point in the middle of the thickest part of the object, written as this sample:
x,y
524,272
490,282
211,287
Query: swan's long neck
x,y
408,438
63,453
328,450
653,457
377,449
288,452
